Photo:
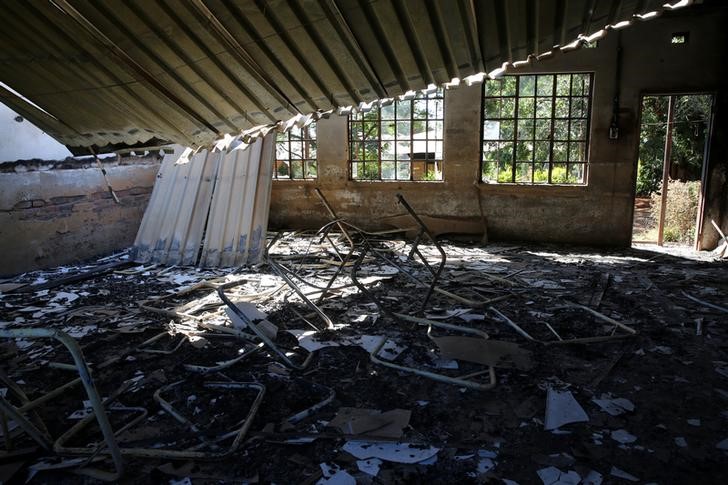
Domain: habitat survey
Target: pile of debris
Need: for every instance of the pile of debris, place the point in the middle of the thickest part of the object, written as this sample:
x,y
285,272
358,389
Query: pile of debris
x,y
352,357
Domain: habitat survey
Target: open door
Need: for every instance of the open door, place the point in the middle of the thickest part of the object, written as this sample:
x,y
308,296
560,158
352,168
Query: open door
x,y
674,136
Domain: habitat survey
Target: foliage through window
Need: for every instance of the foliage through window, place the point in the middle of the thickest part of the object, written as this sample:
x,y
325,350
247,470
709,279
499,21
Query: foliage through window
x,y
401,141
296,154
535,129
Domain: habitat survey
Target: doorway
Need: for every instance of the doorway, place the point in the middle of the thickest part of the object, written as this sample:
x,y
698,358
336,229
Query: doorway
x,y
674,134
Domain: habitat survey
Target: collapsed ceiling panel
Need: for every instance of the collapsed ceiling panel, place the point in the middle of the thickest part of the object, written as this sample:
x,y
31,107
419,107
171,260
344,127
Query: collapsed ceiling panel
x,y
134,72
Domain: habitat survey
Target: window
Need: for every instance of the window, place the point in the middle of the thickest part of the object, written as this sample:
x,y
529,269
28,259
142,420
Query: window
x,y
296,154
401,141
535,129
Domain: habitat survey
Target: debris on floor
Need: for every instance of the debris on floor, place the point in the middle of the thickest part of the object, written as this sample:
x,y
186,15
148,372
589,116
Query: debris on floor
x,y
370,360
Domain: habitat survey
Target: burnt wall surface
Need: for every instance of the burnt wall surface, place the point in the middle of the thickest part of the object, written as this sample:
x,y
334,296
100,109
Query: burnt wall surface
x,y
54,213
599,212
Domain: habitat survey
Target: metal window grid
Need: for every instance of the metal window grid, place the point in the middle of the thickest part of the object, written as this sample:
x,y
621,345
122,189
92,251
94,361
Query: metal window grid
x,y
532,120
401,115
296,164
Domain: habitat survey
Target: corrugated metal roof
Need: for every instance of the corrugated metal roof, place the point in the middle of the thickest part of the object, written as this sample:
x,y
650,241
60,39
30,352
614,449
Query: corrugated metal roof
x,y
189,71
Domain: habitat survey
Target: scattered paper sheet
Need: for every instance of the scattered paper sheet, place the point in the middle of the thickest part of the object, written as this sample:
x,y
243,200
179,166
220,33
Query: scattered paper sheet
x,y
623,436
616,472
258,318
614,406
553,476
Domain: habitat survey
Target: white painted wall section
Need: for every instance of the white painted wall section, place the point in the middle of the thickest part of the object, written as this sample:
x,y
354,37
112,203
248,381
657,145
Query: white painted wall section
x,y
25,141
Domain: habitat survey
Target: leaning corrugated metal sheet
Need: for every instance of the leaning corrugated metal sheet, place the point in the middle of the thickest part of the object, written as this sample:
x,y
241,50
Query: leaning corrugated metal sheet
x,y
223,197
190,71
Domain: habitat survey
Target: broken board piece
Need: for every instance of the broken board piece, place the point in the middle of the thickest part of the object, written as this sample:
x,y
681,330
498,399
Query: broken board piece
x,y
372,422
495,353
394,452
254,315
562,408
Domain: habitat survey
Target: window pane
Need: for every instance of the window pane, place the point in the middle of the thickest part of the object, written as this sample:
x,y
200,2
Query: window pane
x,y
435,129
543,107
524,151
404,130
577,152
578,130
525,108
388,150
545,85
541,151
505,172
492,108
404,109
507,130
559,152
489,172
388,170
561,129
527,86
311,169
311,149
578,107
403,150
387,112
282,168
296,149
525,129
490,151
493,87
576,173
563,84
420,109
403,170
543,129
523,172
509,86
558,173
562,108
541,173
388,130
491,130
296,169
508,108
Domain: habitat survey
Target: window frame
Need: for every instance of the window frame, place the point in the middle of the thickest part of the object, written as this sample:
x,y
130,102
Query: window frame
x,y
430,165
515,140
305,141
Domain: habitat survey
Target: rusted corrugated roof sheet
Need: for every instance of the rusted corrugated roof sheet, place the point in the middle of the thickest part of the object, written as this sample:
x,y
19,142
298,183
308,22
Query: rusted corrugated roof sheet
x,y
138,71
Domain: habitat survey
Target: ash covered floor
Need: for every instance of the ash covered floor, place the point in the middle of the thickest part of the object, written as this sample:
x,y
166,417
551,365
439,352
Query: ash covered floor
x,y
648,406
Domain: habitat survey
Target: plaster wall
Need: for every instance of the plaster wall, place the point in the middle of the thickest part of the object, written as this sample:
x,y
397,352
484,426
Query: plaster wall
x,y
598,213
63,213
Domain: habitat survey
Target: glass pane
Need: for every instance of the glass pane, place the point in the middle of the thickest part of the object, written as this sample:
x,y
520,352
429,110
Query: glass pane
x,y
509,86
403,150
505,152
525,129
563,84
435,108
527,86
388,130
295,133
309,132
543,129
388,170
420,109
576,173
371,150
435,129
505,172
297,169
491,130
543,107
578,130
281,137
490,151
562,108
559,153
388,150
493,87
311,148
404,109
506,130
580,85
311,169
387,112
558,173
371,170
435,147
545,85
525,108
508,108
523,172
578,107
524,152
282,150
541,173
492,108
282,169
561,129
577,152
404,130
296,149
355,130
489,172
541,151
403,170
